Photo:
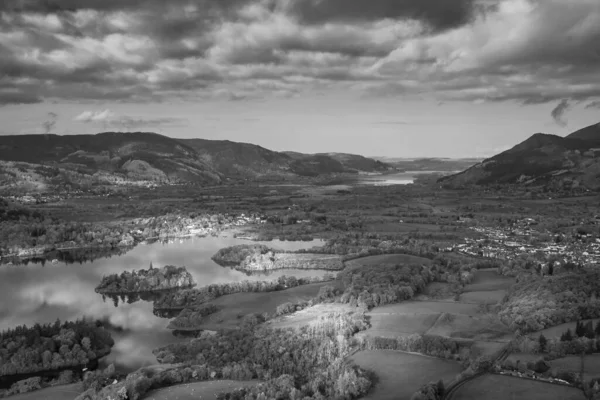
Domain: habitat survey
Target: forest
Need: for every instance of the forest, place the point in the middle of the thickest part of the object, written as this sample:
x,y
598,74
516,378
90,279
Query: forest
x,y
146,280
536,302
54,346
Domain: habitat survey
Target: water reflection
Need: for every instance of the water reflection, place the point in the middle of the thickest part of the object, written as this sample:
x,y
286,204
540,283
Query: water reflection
x,y
36,293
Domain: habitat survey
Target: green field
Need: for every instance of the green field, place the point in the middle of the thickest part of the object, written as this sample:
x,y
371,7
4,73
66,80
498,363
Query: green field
x,y
63,392
427,307
197,390
489,280
309,315
483,297
484,327
558,330
387,259
502,387
572,363
394,325
398,227
401,374
233,307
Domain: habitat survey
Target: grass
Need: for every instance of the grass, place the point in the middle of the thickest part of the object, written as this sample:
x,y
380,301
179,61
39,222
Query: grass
x,y
489,280
309,315
401,374
483,297
427,307
438,291
499,387
63,392
572,363
196,390
387,259
235,306
558,330
394,325
484,327
398,227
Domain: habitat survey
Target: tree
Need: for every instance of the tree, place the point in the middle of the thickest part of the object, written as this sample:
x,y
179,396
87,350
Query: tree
x,y
580,329
543,342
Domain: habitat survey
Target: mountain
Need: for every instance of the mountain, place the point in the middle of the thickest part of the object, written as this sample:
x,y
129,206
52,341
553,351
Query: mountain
x,y
114,155
37,162
233,159
550,160
429,164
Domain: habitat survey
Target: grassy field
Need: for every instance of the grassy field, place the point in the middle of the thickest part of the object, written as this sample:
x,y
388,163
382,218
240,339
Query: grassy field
x,y
558,330
233,307
63,392
197,390
488,280
572,363
483,297
437,291
394,325
387,259
398,227
309,315
402,374
484,327
427,307
498,387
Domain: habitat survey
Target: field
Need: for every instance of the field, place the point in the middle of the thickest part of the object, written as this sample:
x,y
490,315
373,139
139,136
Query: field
x,y
398,227
485,327
499,387
572,363
309,315
487,287
233,307
63,392
387,259
558,330
197,390
401,374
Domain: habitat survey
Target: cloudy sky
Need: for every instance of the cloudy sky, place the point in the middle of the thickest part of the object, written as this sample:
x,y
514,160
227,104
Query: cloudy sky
x,y
375,77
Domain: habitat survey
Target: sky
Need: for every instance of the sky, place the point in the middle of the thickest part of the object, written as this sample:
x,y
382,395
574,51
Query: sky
x,y
397,78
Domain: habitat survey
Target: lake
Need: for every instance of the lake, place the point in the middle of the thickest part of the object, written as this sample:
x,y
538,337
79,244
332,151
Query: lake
x,y
42,293
400,178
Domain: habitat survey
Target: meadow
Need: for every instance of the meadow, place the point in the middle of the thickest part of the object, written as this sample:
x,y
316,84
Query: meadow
x,y
401,374
62,392
503,387
372,261
197,390
572,363
558,330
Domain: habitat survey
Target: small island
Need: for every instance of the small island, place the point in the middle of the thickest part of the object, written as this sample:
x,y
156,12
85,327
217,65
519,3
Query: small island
x,y
146,280
255,257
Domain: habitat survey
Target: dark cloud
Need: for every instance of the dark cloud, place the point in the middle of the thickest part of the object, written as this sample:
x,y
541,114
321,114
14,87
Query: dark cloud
x,y
439,14
18,97
559,111
593,104
53,6
108,119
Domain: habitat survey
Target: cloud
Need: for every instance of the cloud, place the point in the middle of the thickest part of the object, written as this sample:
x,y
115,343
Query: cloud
x,y
593,104
528,51
50,122
559,111
109,119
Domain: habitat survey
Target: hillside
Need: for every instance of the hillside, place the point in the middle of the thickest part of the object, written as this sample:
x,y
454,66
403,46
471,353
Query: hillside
x,y
110,156
37,163
553,161
430,164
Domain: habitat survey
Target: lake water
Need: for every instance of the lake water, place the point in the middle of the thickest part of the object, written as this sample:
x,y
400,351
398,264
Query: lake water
x,y
400,178
42,293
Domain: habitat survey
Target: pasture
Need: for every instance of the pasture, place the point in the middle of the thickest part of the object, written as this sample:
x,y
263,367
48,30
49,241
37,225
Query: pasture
x,y
572,363
503,387
401,227
401,374
394,325
309,315
233,307
485,280
558,330
427,307
484,327
63,392
372,261
197,390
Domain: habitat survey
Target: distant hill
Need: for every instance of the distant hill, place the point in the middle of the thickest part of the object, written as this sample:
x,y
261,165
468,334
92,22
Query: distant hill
x,y
542,159
131,155
37,162
430,163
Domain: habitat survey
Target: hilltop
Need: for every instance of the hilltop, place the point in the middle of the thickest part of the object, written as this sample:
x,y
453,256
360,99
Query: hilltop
x,y
552,161
39,162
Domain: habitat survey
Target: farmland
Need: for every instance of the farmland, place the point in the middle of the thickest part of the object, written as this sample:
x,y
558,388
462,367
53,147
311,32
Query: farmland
x,y
591,365
499,387
309,315
556,331
401,374
198,390
235,306
63,392
387,259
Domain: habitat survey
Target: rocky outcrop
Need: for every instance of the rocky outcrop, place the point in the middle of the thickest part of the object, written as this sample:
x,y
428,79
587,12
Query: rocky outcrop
x,y
153,279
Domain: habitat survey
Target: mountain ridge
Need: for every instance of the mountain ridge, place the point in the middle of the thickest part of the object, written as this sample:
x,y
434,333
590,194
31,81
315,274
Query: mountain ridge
x,y
542,159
